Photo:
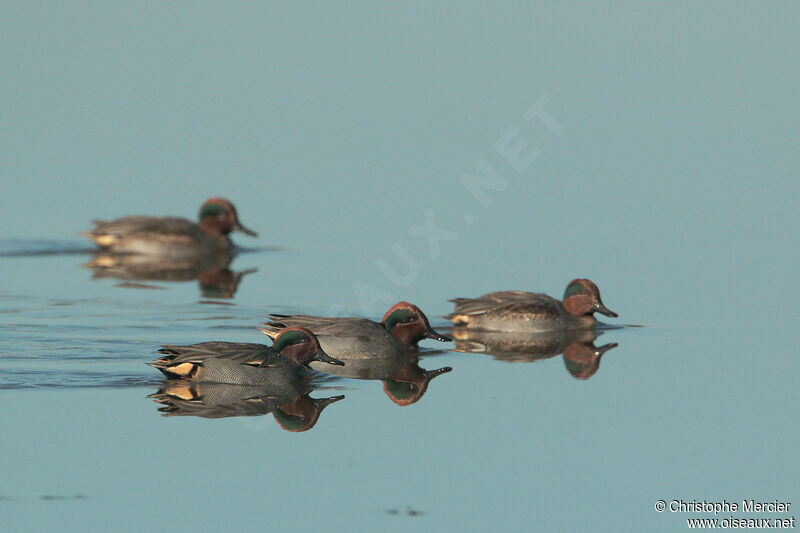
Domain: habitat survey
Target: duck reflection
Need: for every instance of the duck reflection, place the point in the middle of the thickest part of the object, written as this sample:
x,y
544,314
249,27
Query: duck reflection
x,y
577,347
404,381
583,359
212,272
290,403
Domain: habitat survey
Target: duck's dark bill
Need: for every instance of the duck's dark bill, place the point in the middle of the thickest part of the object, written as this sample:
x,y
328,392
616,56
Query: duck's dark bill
x,y
325,358
431,334
602,309
246,231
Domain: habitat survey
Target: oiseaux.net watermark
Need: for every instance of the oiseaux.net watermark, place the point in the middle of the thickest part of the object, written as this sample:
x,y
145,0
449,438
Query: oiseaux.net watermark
x,y
514,152
752,514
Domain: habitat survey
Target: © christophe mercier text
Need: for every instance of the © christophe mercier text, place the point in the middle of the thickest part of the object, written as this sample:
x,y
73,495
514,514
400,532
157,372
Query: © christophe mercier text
x,y
747,506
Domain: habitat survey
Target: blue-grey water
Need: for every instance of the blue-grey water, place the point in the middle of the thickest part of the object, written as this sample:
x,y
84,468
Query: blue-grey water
x,y
409,152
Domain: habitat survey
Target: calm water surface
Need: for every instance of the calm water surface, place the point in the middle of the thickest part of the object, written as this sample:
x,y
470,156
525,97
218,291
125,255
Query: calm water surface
x,y
665,170
692,409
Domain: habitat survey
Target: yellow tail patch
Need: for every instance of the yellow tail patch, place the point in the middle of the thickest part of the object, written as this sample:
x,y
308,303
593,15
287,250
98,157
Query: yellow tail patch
x,y
105,240
183,369
459,319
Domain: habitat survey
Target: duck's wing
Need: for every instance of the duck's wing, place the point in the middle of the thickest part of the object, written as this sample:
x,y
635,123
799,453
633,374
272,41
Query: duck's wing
x,y
324,326
244,353
137,225
504,303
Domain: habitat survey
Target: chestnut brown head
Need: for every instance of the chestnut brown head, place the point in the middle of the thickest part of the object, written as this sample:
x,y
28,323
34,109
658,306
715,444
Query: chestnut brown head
x,y
219,217
408,324
301,346
582,298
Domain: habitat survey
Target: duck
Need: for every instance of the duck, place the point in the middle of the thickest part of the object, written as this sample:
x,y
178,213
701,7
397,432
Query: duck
x,y
398,332
519,311
243,363
171,236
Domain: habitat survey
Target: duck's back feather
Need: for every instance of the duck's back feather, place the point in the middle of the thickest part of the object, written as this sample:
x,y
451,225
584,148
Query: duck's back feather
x,y
243,353
506,304
341,337
321,325
143,224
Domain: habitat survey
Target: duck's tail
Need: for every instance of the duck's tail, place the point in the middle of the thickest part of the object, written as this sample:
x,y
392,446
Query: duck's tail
x,y
164,364
272,329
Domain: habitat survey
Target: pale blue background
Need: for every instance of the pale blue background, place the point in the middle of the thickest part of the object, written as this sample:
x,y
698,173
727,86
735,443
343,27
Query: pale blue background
x,y
334,130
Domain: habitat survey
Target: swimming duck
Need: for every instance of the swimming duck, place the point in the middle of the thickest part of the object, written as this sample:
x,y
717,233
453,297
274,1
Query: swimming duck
x,y
171,236
518,311
243,363
398,332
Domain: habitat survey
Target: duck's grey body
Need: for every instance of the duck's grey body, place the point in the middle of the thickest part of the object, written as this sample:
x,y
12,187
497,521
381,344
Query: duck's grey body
x,y
516,311
343,338
159,236
238,363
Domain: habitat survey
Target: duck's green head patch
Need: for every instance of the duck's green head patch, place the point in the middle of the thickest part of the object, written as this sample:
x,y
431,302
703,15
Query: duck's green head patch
x,y
290,338
579,287
399,316
301,346
408,324
212,210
